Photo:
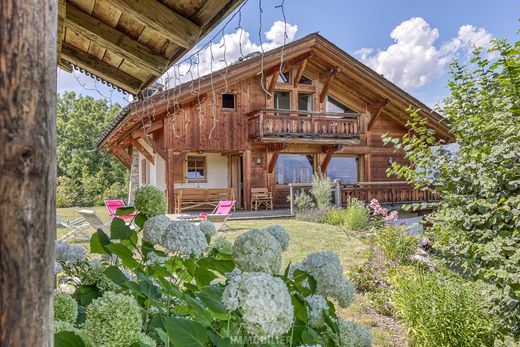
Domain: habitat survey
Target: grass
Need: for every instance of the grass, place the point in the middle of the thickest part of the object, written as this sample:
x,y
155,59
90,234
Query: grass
x,y
71,213
307,237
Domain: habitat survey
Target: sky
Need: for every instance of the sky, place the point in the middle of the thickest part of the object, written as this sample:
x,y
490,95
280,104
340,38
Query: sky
x,y
410,42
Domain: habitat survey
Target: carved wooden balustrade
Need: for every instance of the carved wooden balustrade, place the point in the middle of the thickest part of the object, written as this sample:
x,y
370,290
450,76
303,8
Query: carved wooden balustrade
x,y
276,124
392,192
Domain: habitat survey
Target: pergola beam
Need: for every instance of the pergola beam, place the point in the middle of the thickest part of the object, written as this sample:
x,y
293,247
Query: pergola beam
x,y
100,68
114,40
162,19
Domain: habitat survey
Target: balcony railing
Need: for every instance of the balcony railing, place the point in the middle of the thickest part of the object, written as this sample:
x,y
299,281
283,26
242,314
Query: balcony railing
x,y
394,192
277,124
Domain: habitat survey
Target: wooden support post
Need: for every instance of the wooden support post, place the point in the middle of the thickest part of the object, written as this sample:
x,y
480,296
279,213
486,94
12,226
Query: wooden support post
x,y
374,110
139,147
272,161
170,182
28,49
272,83
299,73
125,154
246,167
327,76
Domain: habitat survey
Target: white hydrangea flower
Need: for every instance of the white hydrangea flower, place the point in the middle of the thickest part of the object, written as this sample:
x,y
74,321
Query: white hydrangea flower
x,y
263,300
184,238
317,345
257,251
208,229
280,234
152,258
326,269
154,228
69,254
317,304
352,335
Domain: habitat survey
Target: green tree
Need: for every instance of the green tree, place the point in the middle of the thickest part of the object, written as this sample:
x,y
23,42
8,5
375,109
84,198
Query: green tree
x,y
85,175
476,226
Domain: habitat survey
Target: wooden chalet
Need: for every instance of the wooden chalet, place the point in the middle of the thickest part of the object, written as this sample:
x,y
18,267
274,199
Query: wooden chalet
x,y
320,110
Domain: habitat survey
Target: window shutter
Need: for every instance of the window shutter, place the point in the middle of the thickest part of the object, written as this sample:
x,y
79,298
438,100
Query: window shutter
x,y
179,172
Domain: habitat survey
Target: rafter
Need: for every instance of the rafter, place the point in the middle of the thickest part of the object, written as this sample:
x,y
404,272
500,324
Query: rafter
x,y
375,110
156,147
100,68
157,125
114,40
161,18
120,158
143,151
125,154
327,76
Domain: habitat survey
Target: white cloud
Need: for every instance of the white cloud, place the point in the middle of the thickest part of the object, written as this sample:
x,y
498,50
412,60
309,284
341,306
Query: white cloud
x,y
228,50
415,59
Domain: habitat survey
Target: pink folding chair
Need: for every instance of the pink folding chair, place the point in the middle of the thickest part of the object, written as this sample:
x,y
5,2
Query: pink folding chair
x,y
220,214
113,205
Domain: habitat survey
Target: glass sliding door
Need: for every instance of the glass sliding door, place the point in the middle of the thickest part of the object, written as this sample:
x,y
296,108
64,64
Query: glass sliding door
x,y
344,168
294,168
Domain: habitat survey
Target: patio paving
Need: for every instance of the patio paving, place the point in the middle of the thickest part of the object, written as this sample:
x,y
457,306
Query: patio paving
x,y
242,214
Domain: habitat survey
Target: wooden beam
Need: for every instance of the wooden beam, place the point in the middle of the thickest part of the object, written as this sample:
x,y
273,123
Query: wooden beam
x,y
100,68
272,83
170,181
162,19
180,157
327,76
28,36
329,150
114,40
299,73
62,9
125,154
375,110
139,147
275,152
156,147
121,159
157,125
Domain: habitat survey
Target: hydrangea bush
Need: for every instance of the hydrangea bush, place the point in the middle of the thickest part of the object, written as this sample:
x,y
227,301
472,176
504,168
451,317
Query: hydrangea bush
x,y
178,285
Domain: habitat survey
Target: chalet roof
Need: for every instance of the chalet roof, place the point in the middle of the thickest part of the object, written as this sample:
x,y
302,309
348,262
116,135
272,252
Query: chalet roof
x,y
130,43
361,85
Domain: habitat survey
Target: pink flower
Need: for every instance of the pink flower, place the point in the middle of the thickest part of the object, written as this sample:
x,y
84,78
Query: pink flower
x,y
392,216
374,204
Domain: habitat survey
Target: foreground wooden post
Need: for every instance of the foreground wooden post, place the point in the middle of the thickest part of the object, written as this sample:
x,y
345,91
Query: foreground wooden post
x,y
27,170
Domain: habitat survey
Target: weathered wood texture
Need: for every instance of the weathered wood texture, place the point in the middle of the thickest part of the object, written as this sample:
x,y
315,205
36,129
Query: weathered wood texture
x,y
27,170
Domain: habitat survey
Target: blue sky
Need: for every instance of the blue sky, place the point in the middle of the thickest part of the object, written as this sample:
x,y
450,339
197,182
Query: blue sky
x,y
426,35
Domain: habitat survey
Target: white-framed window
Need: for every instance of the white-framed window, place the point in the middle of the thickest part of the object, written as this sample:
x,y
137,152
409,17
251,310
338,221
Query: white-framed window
x,y
282,100
284,77
196,169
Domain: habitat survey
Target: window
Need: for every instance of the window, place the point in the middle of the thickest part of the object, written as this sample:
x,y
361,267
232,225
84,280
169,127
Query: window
x,y
333,105
304,102
282,100
344,168
196,169
228,101
284,77
294,168
305,80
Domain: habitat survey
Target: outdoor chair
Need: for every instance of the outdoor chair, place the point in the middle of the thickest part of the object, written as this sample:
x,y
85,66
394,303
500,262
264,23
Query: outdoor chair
x,y
259,197
93,219
220,214
74,228
113,205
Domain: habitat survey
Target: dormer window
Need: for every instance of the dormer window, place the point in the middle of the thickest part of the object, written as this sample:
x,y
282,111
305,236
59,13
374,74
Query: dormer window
x,y
305,80
284,77
228,101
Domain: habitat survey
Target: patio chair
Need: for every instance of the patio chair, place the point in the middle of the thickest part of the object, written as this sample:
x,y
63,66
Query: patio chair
x,y
74,228
113,205
220,214
259,197
93,219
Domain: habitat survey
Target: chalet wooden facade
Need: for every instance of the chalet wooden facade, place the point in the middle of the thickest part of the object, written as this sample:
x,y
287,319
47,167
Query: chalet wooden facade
x,y
320,110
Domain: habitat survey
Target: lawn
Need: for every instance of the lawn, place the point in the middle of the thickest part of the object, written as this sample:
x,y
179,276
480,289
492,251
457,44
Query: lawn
x,y
352,249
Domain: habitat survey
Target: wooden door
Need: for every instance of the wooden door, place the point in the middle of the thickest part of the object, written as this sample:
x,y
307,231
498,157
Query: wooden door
x,y
237,179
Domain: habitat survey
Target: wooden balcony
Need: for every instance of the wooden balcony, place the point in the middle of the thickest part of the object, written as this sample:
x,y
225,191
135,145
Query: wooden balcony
x,y
271,125
394,192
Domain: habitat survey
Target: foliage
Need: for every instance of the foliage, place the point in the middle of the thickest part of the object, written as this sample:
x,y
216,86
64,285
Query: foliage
x,y
396,243
150,201
440,309
476,225
214,297
65,308
356,215
85,176
321,191
335,216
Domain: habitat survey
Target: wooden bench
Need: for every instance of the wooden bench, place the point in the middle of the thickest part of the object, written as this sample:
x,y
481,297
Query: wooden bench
x,y
195,198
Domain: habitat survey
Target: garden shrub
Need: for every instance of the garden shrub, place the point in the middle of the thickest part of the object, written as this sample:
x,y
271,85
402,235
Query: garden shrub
x,y
150,201
356,215
66,192
334,216
179,287
65,307
321,191
475,226
396,243
440,309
